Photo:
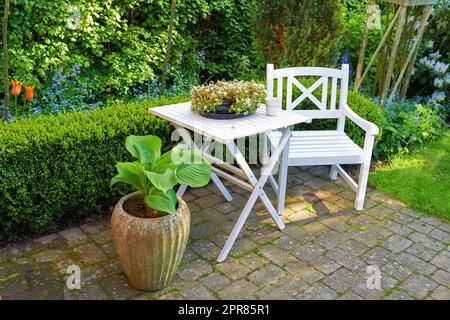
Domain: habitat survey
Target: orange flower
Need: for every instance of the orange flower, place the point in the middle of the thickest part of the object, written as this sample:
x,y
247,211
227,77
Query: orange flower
x,y
16,87
29,92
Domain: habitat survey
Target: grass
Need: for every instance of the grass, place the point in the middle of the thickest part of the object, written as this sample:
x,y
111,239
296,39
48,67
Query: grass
x,y
421,179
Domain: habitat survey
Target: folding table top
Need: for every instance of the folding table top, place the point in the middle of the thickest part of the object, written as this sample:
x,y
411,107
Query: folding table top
x,y
226,130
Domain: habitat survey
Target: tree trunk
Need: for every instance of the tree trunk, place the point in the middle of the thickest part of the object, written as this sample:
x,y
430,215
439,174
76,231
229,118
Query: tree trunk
x,y
162,87
5,62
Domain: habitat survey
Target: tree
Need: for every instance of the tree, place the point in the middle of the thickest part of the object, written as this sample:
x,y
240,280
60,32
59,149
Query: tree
x,y
299,32
173,5
5,62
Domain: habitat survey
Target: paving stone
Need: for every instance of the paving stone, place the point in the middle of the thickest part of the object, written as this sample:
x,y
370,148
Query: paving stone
x,y
397,228
431,220
315,228
109,249
50,256
238,290
416,264
253,261
427,241
298,233
271,293
306,273
92,293
233,269
225,207
119,288
442,260
46,240
89,254
353,246
194,270
421,252
276,255
243,246
403,219
336,223
350,296
418,286
206,249
209,201
396,270
197,290
342,280
203,230
380,212
397,243
215,281
441,293
421,226
308,251
442,277
440,235
330,240
399,295
345,259
266,275
103,237
365,238
325,265
318,292
377,256
73,235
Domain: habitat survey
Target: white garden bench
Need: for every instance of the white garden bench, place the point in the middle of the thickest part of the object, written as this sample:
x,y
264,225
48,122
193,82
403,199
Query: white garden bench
x,y
326,147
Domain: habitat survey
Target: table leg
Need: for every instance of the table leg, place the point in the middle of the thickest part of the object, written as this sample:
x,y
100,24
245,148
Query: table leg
x,y
282,174
258,190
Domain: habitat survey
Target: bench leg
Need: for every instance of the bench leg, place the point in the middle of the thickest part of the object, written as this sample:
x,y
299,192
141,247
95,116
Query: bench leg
x,y
333,172
362,185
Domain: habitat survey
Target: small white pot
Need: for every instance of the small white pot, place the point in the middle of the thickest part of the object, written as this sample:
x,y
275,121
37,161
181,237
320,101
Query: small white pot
x,y
273,105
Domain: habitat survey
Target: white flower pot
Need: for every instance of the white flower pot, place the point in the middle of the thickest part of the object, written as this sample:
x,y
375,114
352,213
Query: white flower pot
x,y
273,105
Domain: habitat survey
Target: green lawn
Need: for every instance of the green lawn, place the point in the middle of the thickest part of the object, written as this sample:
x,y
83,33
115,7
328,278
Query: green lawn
x,y
421,179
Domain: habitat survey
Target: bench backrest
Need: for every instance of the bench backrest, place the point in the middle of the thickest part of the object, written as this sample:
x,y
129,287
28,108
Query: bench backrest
x,y
328,104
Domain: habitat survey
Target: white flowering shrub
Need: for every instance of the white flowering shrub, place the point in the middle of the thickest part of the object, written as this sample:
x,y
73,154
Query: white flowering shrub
x,y
245,96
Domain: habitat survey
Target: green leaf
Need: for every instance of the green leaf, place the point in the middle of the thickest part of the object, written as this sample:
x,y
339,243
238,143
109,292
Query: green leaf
x,y
162,181
132,173
145,148
193,175
162,201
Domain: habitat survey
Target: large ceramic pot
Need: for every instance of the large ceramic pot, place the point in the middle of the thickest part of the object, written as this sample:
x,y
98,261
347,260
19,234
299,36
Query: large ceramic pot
x,y
150,249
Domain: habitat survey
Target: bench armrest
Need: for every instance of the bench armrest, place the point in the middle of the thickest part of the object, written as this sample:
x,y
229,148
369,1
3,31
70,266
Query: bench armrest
x,y
367,126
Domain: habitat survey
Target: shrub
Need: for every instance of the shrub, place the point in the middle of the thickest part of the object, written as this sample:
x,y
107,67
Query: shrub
x,y
56,166
406,123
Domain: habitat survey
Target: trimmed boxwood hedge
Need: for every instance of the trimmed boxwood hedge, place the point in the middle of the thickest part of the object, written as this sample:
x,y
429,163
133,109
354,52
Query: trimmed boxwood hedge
x,y
54,166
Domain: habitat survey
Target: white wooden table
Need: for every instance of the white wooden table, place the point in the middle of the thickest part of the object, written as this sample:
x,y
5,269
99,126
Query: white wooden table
x,y
226,132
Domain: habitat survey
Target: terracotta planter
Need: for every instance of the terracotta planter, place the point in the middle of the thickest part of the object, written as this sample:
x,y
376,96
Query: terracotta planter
x,y
150,249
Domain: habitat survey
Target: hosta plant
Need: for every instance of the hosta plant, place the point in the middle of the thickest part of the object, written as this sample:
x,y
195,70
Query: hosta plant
x,y
155,175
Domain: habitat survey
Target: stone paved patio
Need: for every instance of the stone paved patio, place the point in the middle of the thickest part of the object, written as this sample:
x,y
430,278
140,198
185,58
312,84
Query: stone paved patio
x,y
322,254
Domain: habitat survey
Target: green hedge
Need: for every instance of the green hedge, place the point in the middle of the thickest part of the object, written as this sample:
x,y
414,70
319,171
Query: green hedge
x,y
56,166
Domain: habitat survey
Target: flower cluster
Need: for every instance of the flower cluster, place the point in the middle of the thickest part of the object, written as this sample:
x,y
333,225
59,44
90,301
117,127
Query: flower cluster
x,y
245,96
438,70
16,90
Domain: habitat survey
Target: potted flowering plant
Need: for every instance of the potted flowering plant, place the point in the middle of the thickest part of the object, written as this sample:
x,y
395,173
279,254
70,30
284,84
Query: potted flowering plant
x,y
227,99
150,227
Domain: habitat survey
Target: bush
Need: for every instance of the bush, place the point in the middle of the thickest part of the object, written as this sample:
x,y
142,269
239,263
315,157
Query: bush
x,y
406,123
56,166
